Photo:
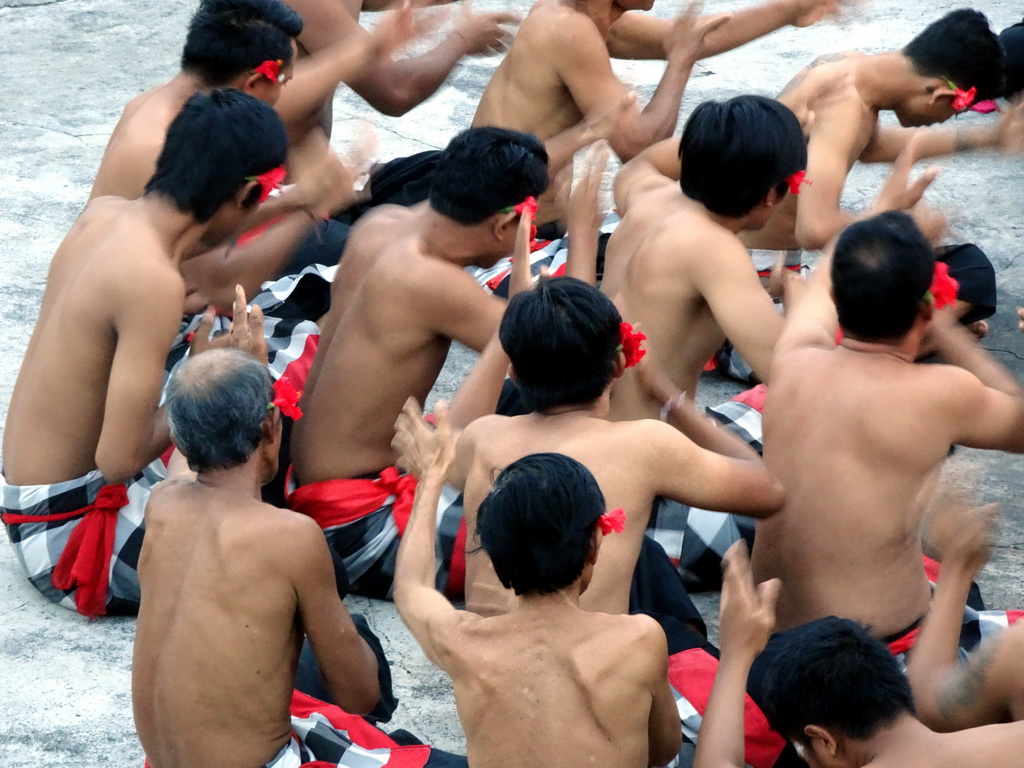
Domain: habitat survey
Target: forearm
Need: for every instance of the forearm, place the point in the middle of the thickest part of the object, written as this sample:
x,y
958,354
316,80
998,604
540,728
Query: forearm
x,y
748,25
658,119
415,565
317,76
638,36
707,433
583,243
721,740
396,86
478,395
937,142
562,147
958,347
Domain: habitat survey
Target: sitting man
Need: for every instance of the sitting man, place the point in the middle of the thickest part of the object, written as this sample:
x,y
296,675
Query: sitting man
x,y
401,296
856,432
548,683
84,431
566,346
217,642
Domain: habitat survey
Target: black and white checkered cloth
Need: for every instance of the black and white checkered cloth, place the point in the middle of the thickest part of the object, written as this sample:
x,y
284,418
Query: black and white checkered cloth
x,y
38,546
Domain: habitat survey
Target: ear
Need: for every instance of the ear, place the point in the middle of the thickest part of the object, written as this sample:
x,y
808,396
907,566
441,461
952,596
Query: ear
x,y
595,546
248,195
504,226
618,364
512,374
926,311
937,90
822,742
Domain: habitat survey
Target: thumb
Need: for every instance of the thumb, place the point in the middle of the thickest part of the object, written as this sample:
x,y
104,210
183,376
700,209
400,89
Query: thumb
x,y
768,592
918,187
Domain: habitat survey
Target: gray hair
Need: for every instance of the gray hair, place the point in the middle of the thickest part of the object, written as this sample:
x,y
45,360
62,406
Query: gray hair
x,y
216,405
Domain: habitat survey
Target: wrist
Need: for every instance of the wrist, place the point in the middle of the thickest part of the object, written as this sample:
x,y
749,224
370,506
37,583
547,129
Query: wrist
x,y
460,41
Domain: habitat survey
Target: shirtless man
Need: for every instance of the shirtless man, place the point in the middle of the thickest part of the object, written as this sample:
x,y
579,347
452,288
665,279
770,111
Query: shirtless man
x,y
83,421
217,642
548,683
401,296
855,432
565,346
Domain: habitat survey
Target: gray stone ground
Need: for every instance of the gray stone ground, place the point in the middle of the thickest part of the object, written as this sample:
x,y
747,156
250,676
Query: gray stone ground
x,y
69,66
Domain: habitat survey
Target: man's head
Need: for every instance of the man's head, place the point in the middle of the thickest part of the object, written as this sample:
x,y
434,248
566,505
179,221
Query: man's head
x,y
217,407
481,175
215,148
563,341
961,50
832,684
229,40
737,156
539,526
881,272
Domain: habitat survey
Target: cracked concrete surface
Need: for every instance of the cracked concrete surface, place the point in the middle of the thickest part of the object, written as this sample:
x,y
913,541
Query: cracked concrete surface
x,y
70,66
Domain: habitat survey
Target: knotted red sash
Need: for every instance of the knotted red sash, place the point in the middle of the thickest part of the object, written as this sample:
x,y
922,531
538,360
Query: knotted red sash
x,y
338,502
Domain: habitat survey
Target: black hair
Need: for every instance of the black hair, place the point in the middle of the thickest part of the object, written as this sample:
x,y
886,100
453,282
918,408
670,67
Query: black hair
x,y
562,339
483,170
963,48
213,145
733,153
881,270
1012,39
537,522
832,673
227,38
216,406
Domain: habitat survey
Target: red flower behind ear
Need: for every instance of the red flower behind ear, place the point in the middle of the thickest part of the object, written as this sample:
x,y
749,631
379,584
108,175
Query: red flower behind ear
x,y
944,288
612,522
796,181
286,397
529,204
630,343
964,99
269,181
270,70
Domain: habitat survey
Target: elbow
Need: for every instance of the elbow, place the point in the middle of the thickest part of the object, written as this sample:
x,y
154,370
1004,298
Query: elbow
x,y
357,697
118,467
812,237
667,750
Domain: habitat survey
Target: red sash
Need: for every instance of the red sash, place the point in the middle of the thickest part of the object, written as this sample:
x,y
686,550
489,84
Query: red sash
x,y
339,502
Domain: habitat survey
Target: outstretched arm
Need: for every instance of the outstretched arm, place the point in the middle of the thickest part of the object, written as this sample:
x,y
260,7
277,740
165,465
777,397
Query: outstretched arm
x,y
747,619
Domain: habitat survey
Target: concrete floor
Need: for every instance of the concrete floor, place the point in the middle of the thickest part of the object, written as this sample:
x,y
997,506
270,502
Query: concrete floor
x,y
69,66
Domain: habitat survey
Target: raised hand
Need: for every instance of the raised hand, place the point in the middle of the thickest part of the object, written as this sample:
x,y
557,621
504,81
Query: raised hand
x,y
521,277
812,11
899,193
686,37
585,215
420,448
961,535
484,33
747,611
394,30
246,332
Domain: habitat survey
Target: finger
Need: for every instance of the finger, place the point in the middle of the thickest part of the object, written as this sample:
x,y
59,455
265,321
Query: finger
x,y
768,595
444,426
736,560
918,187
238,308
201,339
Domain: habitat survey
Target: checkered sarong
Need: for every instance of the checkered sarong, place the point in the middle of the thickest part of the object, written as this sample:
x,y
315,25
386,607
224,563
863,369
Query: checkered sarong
x,y
40,545
552,254
697,539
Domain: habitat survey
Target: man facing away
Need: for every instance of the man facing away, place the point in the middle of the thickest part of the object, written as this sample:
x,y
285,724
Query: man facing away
x,y
84,429
856,432
401,296
218,641
564,341
547,684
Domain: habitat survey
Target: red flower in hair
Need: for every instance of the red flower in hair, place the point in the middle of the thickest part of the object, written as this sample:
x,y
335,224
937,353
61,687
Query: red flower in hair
x,y
796,181
962,99
612,522
286,397
270,70
630,343
529,204
944,288
269,181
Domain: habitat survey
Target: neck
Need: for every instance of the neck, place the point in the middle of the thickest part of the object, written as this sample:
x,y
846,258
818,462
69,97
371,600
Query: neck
x,y
906,735
557,602
885,79
188,83
180,232
241,480
902,349
448,240
597,409
731,223
603,13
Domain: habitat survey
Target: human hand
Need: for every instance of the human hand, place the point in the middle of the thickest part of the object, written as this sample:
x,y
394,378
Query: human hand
x,y
422,450
931,221
394,31
747,612
521,277
961,535
899,193
685,40
584,210
810,12
604,126
246,332
326,182
484,33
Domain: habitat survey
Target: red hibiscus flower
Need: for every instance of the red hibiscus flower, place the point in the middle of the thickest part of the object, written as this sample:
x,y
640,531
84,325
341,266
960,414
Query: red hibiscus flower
x,y
630,343
529,204
286,397
796,181
944,288
612,522
961,99
270,70
269,181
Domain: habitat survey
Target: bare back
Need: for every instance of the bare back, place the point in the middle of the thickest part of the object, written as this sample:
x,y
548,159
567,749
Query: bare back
x,y
853,437
218,634
532,692
111,291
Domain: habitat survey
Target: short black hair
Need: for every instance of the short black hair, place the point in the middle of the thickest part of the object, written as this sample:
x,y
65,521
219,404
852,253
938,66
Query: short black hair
x,y
216,406
227,38
562,339
963,48
212,146
537,522
881,270
1012,39
483,170
733,153
833,674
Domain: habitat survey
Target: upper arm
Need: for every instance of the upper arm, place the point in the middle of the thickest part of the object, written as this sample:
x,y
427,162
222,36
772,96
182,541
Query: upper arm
x,y
457,308
144,326
985,417
635,179
692,475
324,22
664,734
886,144
430,617
347,665
741,306
126,167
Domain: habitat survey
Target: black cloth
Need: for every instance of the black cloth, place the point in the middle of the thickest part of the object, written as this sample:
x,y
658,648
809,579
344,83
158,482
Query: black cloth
x,y
323,245
309,680
402,181
659,590
970,267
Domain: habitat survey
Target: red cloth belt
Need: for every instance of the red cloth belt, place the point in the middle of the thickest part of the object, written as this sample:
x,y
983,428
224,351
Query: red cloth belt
x,y
85,561
339,502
